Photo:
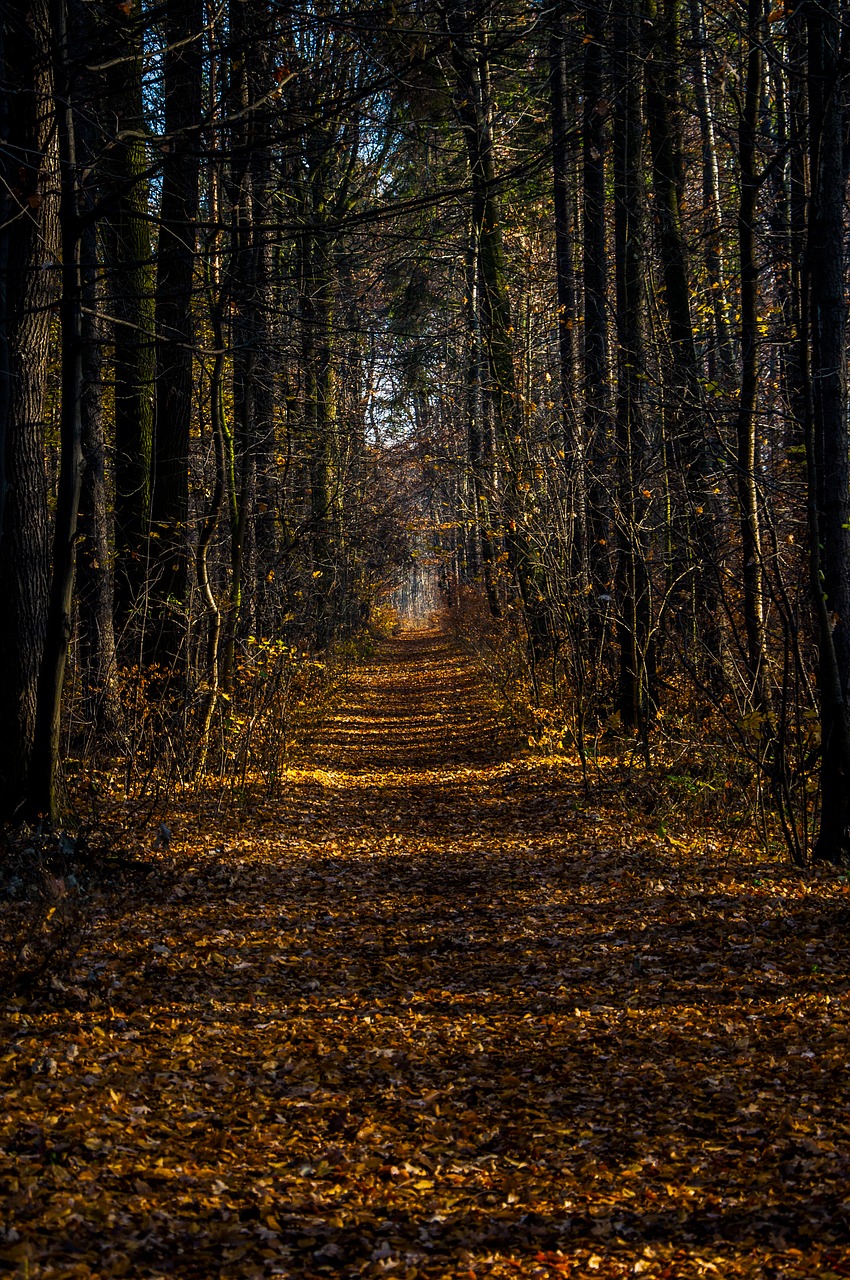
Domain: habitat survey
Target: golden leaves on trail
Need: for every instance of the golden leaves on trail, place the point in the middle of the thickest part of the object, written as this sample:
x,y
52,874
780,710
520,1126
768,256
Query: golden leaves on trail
x,y
434,1014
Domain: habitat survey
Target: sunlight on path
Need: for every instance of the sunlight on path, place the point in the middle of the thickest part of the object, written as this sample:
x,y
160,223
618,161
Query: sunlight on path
x,y
430,1015
418,703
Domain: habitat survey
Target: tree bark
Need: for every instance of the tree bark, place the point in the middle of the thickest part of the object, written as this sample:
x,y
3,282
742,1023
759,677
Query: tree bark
x,y
129,299
474,112
748,497
44,790
564,179
94,555
634,588
694,523
829,460
166,634
597,380
319,413
721,364
479,436
29,248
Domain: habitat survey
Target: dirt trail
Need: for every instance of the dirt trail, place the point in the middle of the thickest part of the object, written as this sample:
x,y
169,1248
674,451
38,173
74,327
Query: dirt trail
x,y
432,1016
419,704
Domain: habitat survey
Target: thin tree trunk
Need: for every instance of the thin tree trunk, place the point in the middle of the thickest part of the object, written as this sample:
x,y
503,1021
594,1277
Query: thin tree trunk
x,y
245,290
474,111
748,498
563,172
94,568
94,554
316,310
794,367
209,525
267,343
205,538
480,459
723,365
695,549
44,793
597,381
166,637
129,300
636,692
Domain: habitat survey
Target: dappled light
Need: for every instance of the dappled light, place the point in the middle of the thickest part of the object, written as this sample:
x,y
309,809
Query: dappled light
x,y
432,1014
425,651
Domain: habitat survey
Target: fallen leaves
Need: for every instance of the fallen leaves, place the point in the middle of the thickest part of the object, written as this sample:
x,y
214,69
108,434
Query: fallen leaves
x,y
426,1017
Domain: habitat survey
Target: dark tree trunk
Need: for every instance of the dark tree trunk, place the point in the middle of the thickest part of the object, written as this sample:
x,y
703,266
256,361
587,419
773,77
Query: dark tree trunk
x,y
597,381
796,359
165,641
748,497
637,666
44,792
694,521
479,437
267,342
29,248
94,569
563,172
829,453
474,112
94,556
316,307
261,549
129,298
248,294
671,240
212,257
721,356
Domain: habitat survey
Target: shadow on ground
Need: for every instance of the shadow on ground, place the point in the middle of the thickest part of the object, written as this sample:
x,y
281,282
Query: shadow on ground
x,y
433,1019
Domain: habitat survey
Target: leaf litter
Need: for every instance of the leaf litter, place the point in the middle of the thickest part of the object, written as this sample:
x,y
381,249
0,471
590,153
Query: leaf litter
x,y
427,1015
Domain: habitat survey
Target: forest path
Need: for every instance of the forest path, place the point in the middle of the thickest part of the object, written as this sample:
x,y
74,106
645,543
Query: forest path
x,y
430,1014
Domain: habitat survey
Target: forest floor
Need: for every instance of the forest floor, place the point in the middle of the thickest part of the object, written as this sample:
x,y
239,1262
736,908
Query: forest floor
x,y
435,1013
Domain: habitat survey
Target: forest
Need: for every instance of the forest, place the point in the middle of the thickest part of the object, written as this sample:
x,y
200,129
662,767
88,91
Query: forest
x,y
554,296
550,298
425,644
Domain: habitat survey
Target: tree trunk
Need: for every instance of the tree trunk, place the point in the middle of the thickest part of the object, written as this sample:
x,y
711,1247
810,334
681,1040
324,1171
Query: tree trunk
x,y
479,436
212,516
636,692
695,526
722,364
748,498
796,361
563,172
474,112
267,344
94,554
29,247
319,411
829,461
597,381
44,792
166,637
129,300
243,285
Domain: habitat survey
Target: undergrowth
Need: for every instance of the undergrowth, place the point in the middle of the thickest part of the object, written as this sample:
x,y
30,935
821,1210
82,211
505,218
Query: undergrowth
x,y
175,749
703,760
